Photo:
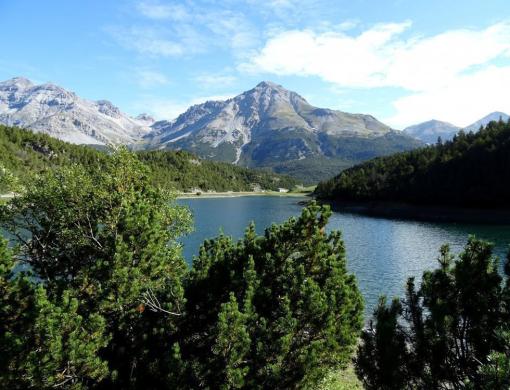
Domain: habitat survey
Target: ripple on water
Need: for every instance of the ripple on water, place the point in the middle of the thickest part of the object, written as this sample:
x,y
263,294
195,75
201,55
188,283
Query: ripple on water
x,y
382,253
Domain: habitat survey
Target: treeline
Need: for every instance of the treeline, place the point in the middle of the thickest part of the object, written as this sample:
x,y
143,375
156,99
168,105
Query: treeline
x,y
185,171
472,170
25,153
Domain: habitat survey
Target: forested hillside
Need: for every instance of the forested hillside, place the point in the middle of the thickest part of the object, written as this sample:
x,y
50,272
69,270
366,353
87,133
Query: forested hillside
x,y
472,170
25,153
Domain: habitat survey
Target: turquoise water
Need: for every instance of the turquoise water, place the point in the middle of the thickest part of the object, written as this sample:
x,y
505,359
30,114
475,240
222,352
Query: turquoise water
x,y
382,253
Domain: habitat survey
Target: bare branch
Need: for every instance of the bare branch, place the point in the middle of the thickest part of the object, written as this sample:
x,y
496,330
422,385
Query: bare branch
x,y
152,302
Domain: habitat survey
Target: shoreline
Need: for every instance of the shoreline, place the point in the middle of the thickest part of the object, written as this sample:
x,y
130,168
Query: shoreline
x,y
211,195
231,194
424,213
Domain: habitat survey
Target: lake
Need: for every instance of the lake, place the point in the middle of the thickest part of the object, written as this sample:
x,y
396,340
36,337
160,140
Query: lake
x,y
382,253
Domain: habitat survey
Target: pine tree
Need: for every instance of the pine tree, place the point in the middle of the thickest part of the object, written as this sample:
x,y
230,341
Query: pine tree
x,y
104,245
447,334
292,309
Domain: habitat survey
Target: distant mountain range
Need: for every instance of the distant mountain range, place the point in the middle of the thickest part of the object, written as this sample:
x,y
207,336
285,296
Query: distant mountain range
x,y
265,127
429,131
51,109
272,127
471,171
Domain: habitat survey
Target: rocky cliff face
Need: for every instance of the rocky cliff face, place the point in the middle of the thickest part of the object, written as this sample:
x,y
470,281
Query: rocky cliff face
x,y
268,125
62,114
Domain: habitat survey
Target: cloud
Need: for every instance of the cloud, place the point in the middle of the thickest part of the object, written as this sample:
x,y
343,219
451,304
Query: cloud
x,y
195,28
462,102
158,11
150,78
334,56
232,28
147,41
215,80
457,75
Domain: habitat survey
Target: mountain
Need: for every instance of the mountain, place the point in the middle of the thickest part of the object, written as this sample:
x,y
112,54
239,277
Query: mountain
x,y
270,126
494,116
472,171
51,109
25,153
429,131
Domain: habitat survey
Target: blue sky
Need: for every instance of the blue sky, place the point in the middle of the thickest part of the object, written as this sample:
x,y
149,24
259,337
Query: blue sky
x,y
402,61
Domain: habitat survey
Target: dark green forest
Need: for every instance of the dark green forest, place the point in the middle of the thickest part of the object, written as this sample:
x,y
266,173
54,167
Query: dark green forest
x,y
472,170
25,153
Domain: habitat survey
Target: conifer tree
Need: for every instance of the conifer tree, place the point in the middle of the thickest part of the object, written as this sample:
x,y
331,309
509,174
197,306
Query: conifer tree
x,y
286,300
448,333
104,246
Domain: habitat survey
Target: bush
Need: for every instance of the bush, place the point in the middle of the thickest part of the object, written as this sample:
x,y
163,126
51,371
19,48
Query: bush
x,y
446,333
271,311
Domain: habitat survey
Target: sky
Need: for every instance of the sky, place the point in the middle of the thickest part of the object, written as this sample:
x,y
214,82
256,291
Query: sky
x,y
402,61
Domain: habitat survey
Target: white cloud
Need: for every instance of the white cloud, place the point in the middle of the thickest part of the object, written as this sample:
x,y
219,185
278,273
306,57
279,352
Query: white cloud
x,y
451,76
334,56
150,78
147,41
231,28
184,29
215,80
158,11
462,102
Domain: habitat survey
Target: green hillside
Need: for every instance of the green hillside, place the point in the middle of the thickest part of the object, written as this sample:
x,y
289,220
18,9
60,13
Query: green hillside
x,y
472,170
25,153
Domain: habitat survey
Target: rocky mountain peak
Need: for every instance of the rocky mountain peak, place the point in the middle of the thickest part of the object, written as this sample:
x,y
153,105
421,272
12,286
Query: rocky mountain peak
x,y
107,108
145,117
56,111
16,83
268,88
261,126
268,84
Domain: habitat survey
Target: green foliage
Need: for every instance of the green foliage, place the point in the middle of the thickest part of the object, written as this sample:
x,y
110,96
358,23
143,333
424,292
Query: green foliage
x,y
313,169
24,154
279,310
93,294
341,379
471,170
325,155
232,344
103,245
184,171
17,315
66,345
383,352
495,373
45,345
445,334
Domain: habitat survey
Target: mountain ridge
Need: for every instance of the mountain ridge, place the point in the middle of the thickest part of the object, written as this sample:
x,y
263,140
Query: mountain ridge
x,y
267,126
271,127
53,110
429,131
